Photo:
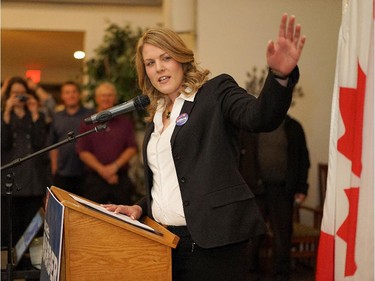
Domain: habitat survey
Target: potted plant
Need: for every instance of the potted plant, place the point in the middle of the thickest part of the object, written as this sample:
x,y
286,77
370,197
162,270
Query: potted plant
x,y
114,62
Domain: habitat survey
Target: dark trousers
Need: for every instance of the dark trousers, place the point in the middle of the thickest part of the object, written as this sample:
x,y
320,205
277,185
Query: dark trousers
x,y
70,184
99,191
276,206
191,262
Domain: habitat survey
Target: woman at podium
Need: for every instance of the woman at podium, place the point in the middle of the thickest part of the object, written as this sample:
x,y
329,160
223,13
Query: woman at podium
x,y
191,150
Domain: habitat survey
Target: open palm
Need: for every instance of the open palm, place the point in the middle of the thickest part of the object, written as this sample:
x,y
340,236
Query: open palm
x,y
283,55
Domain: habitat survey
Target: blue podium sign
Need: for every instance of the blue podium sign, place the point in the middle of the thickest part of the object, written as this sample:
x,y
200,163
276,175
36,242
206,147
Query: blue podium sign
x,y
52,239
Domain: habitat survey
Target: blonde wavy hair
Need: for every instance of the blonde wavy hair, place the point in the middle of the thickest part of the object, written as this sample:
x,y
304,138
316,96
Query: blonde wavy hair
x,y
170,42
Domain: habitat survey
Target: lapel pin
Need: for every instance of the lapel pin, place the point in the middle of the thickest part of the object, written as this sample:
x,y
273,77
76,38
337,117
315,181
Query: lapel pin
x,y
182,119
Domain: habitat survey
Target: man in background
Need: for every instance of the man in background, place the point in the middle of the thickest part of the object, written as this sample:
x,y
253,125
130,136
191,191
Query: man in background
x,y
66,167
107,153
275,166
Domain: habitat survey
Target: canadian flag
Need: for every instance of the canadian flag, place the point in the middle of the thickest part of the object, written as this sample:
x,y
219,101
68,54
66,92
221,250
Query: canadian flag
x,y
346,246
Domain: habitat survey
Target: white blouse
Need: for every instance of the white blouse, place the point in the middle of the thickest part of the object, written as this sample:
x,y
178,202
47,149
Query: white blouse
x,y
166,202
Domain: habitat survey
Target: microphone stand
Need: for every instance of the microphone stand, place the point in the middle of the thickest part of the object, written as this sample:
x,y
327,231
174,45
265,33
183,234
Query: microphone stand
x,y
9,182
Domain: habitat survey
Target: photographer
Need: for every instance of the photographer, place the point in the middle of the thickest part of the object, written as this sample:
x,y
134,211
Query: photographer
x,y
23,132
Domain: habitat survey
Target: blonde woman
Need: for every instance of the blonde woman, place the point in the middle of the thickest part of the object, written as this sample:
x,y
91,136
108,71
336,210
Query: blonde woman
x,y
191,150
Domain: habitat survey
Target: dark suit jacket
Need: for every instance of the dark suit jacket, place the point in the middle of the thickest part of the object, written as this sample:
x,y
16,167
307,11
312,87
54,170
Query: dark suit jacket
x,y
298,159
219,206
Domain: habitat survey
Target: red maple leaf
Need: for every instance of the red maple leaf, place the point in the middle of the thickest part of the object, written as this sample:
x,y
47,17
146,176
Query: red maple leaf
x,y
350,145
351,108
348,230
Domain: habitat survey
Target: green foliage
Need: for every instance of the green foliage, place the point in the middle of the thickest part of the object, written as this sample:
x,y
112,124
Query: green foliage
x,y
114,62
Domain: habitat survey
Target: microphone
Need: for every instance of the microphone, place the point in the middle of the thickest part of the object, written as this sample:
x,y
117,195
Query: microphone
x,y
139,102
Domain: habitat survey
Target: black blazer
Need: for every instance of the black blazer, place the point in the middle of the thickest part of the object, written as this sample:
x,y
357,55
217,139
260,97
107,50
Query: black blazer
x,y
219,206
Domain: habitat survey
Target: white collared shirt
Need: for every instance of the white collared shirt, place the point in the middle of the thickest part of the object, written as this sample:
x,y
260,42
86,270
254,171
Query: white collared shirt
x,y
166,202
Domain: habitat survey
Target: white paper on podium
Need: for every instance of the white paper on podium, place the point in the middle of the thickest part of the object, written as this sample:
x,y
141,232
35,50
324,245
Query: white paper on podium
x,y
119,216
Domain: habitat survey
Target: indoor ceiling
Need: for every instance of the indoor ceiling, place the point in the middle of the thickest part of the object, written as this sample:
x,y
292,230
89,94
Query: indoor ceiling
x,y
25,49
28,49
47,51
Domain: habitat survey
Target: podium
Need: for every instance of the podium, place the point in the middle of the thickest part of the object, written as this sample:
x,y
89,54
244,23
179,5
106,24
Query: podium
x,y
99,247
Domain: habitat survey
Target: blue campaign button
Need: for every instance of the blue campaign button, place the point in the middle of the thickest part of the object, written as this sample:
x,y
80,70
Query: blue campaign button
x,y
182,119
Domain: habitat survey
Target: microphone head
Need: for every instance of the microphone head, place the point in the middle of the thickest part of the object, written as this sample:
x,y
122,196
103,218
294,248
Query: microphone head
x,y
141,101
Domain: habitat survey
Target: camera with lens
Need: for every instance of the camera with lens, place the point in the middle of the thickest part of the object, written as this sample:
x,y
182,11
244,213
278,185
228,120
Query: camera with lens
x,y
22,98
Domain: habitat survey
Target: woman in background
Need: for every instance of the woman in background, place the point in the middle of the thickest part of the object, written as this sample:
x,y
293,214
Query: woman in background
x,y
23,132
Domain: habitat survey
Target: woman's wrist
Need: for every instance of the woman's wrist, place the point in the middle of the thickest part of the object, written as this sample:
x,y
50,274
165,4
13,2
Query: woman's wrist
x,y
279,75
6,117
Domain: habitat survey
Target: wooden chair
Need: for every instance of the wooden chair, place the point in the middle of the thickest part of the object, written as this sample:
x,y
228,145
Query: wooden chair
x,y
323,174
305,237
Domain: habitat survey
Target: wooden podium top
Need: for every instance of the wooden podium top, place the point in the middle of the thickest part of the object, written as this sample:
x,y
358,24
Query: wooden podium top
x,y
160,233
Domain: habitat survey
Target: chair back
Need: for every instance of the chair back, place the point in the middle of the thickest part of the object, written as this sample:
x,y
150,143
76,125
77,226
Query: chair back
x,y
322,174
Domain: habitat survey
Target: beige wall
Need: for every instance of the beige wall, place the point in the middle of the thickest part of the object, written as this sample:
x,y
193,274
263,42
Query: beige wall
x,y
231,37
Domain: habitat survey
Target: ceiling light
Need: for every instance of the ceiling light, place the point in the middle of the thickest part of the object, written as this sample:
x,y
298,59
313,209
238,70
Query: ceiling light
x,y
79,55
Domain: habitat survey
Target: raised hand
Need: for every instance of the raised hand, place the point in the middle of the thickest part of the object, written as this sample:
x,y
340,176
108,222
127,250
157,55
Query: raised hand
x,y
283,55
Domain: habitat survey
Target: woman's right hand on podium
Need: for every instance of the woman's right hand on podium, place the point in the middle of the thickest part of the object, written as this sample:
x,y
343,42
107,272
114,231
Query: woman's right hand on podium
x,y
134,211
